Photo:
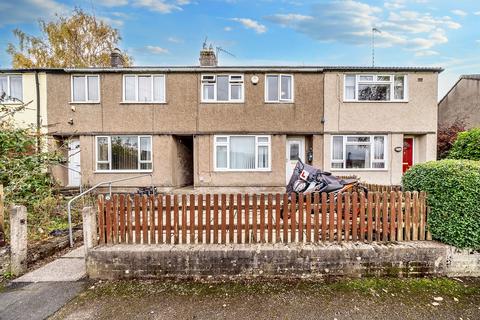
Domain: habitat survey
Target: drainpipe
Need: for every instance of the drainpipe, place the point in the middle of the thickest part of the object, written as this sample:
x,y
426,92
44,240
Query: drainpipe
x,y
37,86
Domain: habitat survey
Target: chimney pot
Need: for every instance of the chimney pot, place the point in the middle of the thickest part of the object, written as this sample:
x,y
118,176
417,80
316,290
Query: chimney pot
x,y
116,59
208,57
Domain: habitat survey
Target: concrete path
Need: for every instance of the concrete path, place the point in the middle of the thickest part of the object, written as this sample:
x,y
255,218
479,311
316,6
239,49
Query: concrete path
x,y
70,267
40,293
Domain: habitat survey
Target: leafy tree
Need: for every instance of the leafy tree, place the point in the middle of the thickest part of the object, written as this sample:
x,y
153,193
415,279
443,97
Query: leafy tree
x,y
467,145
446,136
79,40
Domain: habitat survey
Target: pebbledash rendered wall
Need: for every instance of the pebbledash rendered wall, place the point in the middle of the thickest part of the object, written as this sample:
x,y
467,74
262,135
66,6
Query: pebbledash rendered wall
x,y
412,259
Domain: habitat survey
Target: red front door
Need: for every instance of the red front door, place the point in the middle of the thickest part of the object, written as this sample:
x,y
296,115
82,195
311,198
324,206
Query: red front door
x,y
407,153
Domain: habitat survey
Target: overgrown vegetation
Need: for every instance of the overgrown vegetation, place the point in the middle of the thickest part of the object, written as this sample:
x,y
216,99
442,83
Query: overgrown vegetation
x,y
446,136
453,195
466,146
24,165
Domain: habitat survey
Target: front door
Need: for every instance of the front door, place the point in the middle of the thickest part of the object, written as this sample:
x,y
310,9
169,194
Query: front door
x,y
295,150
74,175
407,153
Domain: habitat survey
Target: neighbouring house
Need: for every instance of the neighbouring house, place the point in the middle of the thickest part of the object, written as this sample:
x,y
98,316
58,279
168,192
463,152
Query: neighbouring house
x,y
215,126
25,86
379,121
462,102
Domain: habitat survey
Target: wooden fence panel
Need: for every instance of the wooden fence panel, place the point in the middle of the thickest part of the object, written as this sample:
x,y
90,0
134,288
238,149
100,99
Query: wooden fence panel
x,y
207,218
386,216
239,226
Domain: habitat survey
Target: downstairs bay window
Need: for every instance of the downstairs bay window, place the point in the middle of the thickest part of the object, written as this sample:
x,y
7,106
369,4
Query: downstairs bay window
x,y
359,152
123,153
242,153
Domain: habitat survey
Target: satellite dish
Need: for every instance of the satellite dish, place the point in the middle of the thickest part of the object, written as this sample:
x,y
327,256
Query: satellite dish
x,y
254,79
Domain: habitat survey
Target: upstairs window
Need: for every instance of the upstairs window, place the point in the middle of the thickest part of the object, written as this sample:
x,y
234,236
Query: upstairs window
x,y
144,88
222,88
279,88
365,87
124,153
86,88
11,88
359,152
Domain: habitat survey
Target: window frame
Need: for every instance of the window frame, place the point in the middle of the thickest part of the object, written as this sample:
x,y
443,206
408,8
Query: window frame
x,y
109,161
257,144
230,83
279,76
151,75
85,76
375,81
9,89
372,148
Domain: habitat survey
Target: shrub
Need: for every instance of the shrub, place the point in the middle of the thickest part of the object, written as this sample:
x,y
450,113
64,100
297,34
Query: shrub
x,y
467,145
453,195
446,136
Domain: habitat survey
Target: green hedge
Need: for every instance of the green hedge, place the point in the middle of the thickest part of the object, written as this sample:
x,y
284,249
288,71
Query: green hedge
x,y
467,145
453,195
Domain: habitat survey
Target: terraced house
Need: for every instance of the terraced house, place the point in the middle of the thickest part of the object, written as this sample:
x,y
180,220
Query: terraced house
x,y
213,126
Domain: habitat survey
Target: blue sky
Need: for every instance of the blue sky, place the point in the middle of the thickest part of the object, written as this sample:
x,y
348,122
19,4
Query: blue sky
x,y
278,32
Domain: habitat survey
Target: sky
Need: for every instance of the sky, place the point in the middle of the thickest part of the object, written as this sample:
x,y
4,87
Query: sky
x,y
436,33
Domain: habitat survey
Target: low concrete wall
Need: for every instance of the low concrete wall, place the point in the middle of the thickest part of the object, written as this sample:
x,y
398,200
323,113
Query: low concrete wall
x,y
409,259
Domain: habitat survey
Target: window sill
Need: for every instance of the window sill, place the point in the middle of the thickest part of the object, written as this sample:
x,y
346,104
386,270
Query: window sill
x,y
84,102
242,170
367,101
360,169
12,103
123,171
279,102
138,102
222,102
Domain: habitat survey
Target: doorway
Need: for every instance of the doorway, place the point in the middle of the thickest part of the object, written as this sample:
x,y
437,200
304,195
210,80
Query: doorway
x,y
407,153
295,148
74,169
183,166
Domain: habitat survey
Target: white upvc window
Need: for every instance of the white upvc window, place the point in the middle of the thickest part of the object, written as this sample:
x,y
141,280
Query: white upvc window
x,y
359,152
242,153
222,88
11,88
123,153
279,88
375,87
85,88
144,88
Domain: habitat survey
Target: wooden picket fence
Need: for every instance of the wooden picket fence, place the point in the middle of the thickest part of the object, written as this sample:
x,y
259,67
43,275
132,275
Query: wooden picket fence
x,y
246,218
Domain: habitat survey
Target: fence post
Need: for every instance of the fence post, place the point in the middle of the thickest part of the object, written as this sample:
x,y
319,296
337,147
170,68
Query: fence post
x,y
89,228
18,240
2,218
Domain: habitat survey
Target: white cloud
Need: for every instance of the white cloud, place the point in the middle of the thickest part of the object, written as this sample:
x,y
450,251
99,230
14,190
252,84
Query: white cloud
x,y
111,21
426,53
157,50
394,4
477,13
15,12
227,29
112,3
251,24
175,40
477,41
459,12
162,6
351,22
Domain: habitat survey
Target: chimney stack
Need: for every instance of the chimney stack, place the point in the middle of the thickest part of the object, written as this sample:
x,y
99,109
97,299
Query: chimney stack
x,y
116,58
208,57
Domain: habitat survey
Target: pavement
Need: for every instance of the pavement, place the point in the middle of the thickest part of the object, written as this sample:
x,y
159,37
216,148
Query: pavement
x,y
41,292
